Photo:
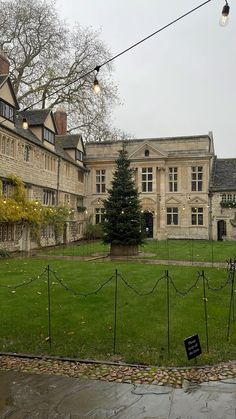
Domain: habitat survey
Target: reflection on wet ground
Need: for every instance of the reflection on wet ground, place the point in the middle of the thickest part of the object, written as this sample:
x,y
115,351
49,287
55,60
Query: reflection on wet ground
x,y
31,396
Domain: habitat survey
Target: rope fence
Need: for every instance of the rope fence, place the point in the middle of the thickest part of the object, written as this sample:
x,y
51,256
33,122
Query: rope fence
x,y
51,277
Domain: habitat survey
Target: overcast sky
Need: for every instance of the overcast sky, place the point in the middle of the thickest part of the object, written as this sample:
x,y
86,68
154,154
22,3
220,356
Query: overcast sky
x,y
181,81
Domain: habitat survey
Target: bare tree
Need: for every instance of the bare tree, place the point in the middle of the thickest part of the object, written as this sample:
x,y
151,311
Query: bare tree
x,y
46,57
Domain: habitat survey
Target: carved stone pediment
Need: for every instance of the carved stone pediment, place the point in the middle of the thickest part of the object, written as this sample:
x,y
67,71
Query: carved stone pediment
x,y
146,151
197,200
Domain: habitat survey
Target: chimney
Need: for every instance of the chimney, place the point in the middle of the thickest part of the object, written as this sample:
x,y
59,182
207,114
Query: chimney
x,y
60,117
4,63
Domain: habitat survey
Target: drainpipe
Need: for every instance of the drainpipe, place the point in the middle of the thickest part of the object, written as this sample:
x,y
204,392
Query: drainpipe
x,y
210,216
58,179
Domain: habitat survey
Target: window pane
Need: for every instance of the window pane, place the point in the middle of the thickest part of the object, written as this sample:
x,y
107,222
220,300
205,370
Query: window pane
x,y
168,218
175,219
200,219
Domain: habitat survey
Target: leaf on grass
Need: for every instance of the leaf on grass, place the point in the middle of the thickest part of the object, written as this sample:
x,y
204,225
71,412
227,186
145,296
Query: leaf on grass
x,y
47,338
13,292
39,293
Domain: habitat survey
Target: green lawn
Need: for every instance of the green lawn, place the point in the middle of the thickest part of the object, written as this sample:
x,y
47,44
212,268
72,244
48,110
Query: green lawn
x,y
189,250
84,326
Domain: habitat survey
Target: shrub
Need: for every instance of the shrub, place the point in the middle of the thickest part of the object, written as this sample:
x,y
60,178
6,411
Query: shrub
x,y
93,231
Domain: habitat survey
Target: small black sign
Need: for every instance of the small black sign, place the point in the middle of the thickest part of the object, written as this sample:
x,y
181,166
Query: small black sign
x,y
192,346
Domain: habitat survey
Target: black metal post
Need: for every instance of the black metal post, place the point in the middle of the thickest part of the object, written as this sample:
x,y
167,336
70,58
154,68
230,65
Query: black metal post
x,y
168,309
212,254
231,303
192,251
233,281
115,312
205,309
168,250
49,310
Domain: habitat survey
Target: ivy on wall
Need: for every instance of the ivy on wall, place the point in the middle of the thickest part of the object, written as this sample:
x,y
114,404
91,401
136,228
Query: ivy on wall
x,y
228,204
18,209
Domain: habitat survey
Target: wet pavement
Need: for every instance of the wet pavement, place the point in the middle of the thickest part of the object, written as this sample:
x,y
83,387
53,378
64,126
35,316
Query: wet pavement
x,y
31,396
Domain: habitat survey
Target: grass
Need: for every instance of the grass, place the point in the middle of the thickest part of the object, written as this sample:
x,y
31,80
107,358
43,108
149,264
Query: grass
x,y
84,326
187,250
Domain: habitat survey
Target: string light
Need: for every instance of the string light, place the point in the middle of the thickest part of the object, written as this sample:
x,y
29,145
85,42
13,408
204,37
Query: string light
x,y
97,68
96,85
224,19
25,124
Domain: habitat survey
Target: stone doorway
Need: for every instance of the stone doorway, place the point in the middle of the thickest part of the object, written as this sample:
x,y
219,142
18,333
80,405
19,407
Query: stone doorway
x,y
148,224
221,230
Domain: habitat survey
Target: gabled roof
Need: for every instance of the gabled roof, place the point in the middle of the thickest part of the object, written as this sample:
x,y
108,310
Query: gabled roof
x,y
224,177
68,142
26,133
36,116
6,79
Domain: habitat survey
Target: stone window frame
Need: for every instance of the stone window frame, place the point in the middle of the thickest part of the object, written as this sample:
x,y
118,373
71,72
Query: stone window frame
x,y
48,231
7,111
49,163
197,178
48,135
26,152
49,197
79,155
66,199
172,216
173,179
228,197
197,216
147,179
99,215
101,181
7,146
7,232
8,188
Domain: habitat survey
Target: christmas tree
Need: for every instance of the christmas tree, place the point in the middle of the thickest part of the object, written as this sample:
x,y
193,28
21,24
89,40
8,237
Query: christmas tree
x,y
122,224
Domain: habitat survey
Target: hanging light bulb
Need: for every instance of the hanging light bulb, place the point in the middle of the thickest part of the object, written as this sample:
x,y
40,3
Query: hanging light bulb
x,y
225,14
96,85
25,123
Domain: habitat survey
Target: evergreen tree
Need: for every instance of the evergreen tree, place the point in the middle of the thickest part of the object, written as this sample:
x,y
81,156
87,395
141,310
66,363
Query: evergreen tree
x,y
122,224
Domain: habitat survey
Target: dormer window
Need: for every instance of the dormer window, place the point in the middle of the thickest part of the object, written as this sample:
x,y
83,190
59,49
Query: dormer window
x,y
79,155
48,135
7,111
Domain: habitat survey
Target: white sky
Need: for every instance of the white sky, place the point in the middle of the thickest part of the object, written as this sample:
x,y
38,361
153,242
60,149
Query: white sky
x,y
180,82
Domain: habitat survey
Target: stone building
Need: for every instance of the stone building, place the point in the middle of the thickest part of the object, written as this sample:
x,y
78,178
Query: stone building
x,y
49,161
223,199
172,176
185,191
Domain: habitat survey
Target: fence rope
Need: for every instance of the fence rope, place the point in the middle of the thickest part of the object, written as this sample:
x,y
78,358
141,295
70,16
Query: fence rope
x,y
184,293
127,284
227,282
81,294
24,283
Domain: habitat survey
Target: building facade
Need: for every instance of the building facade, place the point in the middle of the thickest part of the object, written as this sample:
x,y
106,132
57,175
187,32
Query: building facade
x,y
185,191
